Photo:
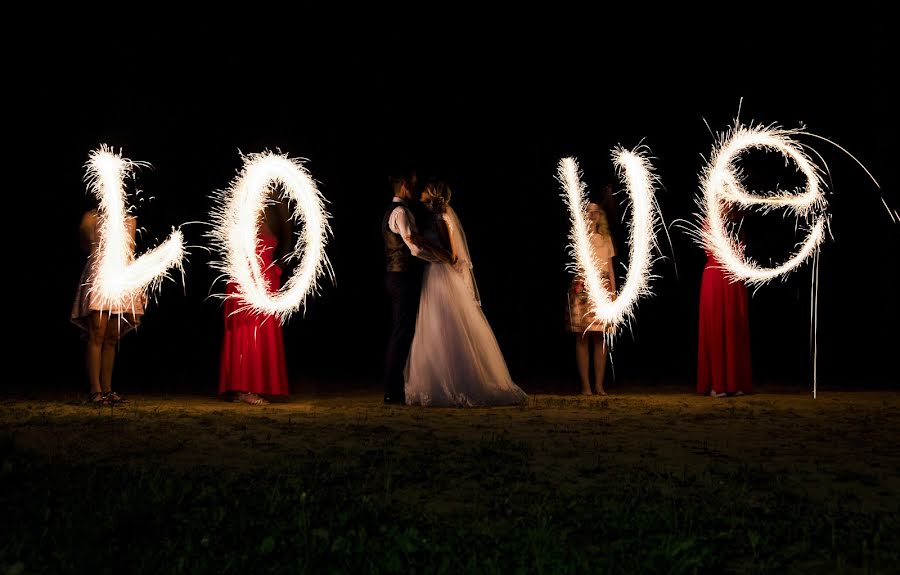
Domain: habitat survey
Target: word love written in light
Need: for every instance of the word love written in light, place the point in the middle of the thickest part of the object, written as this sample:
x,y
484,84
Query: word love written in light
x,y
240,207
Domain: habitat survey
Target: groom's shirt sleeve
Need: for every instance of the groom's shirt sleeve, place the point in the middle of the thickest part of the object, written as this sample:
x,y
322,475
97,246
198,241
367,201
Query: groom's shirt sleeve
x,y
400,223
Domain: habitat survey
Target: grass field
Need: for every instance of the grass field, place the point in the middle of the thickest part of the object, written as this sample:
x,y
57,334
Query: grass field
x,y
645,481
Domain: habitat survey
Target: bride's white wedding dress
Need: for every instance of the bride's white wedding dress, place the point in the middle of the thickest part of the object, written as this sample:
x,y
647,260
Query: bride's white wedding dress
x,y
455,359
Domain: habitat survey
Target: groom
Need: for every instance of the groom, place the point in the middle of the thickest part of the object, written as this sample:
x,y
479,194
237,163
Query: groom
x,y
405,264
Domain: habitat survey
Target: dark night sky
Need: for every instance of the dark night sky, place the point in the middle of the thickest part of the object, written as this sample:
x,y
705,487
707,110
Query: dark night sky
x,y
493,117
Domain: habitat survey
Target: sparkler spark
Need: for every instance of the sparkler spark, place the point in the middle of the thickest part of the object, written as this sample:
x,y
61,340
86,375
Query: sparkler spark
x,y
721,184
120,276
236,221
636,173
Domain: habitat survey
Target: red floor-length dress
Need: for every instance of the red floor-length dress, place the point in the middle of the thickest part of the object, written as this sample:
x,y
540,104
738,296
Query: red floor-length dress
x,y
253,347
723,355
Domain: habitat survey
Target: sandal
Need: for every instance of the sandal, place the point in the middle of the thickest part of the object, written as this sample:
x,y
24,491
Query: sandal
x,y
250,399
115,399
98,398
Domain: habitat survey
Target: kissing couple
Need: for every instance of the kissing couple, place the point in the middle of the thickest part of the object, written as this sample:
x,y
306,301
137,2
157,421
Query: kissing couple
x,y
442,351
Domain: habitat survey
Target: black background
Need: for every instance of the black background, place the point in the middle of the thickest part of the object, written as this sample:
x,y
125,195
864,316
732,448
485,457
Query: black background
x,y
491,107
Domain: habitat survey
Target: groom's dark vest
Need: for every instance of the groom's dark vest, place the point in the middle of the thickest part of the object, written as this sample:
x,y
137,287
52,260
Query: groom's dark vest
x,y
399,258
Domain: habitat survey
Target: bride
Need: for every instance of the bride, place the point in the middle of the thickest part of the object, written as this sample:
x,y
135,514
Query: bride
x,y
455,359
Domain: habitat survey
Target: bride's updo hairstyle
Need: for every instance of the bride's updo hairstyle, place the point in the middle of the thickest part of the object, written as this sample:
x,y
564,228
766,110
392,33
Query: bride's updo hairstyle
x,y
438,195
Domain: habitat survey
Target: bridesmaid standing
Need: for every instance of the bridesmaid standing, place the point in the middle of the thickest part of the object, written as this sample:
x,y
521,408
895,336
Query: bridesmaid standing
x,y
253,361
723,354
589,332
103,324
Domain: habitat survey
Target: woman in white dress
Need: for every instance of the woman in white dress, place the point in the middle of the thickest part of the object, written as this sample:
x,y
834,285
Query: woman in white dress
x,y
455,360
104,323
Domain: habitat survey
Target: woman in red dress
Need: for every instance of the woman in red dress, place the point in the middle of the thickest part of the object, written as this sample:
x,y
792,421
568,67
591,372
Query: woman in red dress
x,y
723,355
253,361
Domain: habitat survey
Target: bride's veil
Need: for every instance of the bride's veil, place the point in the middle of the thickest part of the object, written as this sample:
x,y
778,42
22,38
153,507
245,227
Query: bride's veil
x,y
464,263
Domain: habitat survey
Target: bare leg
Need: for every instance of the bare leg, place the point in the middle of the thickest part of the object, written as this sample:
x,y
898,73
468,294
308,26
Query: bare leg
x,y
97,326
581,357
599,362
108,355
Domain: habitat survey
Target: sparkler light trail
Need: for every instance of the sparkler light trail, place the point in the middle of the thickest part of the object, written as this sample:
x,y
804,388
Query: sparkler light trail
x,y
721,184
119,275
635,171
236,221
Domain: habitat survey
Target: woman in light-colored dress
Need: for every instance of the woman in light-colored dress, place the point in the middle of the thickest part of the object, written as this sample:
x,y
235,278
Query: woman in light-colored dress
x,y
581,321
103,322
455,360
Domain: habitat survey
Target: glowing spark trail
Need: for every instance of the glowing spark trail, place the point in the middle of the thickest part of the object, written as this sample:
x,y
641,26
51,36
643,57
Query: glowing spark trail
x,y
721,184
636,172
119,275
236,222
